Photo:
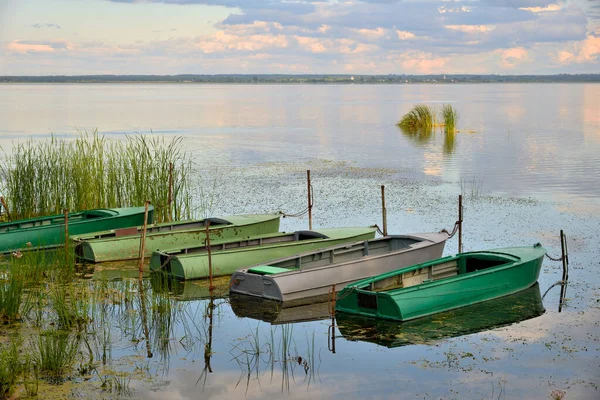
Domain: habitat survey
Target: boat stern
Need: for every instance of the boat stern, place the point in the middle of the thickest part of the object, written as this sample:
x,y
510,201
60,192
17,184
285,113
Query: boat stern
x,y
254,284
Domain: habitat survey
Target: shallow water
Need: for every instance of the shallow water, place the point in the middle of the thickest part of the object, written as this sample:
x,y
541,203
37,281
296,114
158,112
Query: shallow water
x,y
528,170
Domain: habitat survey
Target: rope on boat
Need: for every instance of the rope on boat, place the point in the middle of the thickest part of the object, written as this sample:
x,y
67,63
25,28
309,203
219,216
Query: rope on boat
x,y
454,230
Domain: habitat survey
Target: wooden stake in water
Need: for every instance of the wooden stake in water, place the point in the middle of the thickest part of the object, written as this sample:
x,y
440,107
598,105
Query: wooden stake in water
x,y
460,221
211,286
331,328
143,240
309,200
170,200
383,210
66,212
5,207
565,262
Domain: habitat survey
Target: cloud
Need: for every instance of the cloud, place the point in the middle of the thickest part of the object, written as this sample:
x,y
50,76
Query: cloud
x,y
404,35
512,57
469,28
46,26
550,7
584,52
32,47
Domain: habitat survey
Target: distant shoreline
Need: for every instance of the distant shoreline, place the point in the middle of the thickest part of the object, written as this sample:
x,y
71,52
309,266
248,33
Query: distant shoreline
x,y
305,79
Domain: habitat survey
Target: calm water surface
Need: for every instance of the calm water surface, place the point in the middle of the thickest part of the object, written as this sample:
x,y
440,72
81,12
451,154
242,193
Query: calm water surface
x,y
527,159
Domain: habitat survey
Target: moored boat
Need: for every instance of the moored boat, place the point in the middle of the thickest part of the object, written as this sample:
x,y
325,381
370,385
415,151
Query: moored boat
x,y
226,257
518,307
443,284
48,232
309,277
124,244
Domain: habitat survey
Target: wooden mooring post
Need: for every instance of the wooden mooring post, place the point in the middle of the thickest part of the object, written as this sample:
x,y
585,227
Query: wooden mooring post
x,y
331,328
565,275
170,199
460,221
3,202
211,285
383,210
143,240
66,212
309,199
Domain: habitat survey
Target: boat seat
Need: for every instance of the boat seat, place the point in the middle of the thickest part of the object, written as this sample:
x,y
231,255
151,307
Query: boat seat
x,y
269,270
305,235
216,221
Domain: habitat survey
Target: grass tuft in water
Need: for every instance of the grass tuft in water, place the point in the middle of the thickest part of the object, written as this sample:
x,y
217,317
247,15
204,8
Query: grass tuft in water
x,y
450,118
10,368
421,117
55,354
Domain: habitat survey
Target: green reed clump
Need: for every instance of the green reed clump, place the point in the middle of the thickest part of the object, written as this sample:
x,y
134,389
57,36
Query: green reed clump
x,y
10,368
55,353
44,177
72,305
421,117
450,117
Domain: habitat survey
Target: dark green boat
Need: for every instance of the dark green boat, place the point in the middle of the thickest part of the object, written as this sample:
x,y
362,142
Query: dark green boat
x,y
48,232
507,310
443,284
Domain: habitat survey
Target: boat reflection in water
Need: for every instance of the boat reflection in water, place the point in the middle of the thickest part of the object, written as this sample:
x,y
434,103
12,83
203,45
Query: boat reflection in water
x,y
189,290
275,312
503,311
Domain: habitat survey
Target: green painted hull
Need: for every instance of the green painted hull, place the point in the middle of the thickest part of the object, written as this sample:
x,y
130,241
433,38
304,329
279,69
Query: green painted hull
x,y
115,246
229,256
479,317
432,287
49,232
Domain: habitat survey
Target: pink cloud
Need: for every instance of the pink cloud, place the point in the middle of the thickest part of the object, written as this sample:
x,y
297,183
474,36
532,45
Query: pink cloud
x,y
511,57
27,47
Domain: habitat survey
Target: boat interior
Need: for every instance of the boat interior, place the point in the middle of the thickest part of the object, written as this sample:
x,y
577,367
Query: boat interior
x,y
253,242
458,265
179,226
54,220
341,254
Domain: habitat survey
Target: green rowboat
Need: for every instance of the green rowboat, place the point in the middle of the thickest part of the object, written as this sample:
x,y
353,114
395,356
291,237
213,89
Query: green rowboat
x,y
226,257
124,244
479,317
443,284
48,232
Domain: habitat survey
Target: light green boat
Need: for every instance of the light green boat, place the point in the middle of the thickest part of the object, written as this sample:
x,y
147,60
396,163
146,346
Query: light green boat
x,y
124,244
49,232
443,284
226,257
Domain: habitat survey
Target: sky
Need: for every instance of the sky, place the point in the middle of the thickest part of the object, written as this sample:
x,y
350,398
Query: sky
x,y
81,37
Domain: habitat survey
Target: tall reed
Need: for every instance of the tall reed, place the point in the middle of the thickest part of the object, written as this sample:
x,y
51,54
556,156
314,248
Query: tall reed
x,y
43,177
450,117
421,117
10,368
55,353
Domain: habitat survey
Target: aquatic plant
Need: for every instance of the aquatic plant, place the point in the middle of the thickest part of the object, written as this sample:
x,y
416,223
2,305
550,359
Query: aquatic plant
x,y
450,117
44,177
10,368
421,117
55,353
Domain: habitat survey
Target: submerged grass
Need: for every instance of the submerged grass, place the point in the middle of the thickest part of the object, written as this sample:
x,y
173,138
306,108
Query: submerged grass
x,y
44,177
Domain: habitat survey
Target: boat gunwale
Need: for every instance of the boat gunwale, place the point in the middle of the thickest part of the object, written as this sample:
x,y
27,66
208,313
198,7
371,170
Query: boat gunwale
x,y
443,281
178,252
423,243
80,238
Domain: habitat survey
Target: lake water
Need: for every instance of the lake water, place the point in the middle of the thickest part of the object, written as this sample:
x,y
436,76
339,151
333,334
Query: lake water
x,y
526,158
